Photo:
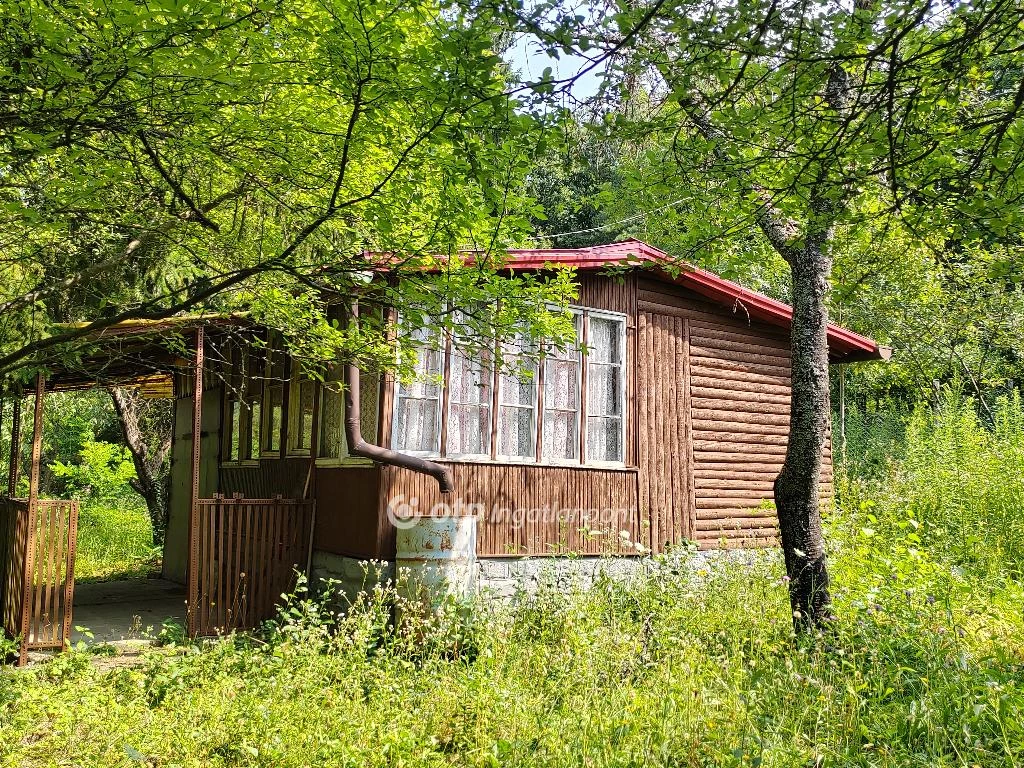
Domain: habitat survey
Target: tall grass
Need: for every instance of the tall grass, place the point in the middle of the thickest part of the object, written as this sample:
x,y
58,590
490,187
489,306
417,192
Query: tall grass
x,y
693,666
957,483
114,542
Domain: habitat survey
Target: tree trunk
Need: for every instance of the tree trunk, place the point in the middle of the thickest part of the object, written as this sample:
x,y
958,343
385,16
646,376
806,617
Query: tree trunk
x,y
797,486
152,481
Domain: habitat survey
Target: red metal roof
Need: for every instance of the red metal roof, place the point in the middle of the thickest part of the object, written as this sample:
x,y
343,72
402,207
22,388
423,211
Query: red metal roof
x,y
844,345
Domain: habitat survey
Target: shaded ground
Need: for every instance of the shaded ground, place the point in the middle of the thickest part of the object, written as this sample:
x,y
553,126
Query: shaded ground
x,y
125,611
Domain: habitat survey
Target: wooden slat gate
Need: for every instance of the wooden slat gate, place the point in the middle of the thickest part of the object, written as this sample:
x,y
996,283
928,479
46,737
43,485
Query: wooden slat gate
x,y
246,554
37,566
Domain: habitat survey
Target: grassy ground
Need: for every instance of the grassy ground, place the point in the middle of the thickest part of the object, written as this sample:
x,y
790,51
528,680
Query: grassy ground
x,y
919,671
923,666
114,542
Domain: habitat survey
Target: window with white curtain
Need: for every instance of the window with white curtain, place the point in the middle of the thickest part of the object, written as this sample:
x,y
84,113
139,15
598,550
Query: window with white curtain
x,y
418,403
560,435
333,447
572,403
606,338
332,417
469,406
517,403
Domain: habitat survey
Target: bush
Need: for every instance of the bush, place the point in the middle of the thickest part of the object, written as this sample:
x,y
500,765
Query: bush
x,y
103,473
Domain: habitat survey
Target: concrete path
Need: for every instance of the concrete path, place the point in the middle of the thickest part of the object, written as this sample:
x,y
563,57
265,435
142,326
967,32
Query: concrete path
x,y
117,611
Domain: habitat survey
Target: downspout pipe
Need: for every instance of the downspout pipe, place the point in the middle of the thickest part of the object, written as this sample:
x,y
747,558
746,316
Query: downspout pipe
x,y
357,446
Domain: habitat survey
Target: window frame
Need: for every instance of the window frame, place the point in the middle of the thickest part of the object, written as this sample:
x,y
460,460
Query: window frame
x,y
270,383
297,380
488,372
535,417
439,421
240,392
538,409
623,321
346,459
580,410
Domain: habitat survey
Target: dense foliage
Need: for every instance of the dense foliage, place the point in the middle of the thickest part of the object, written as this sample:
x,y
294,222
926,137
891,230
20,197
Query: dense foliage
x,y
168,158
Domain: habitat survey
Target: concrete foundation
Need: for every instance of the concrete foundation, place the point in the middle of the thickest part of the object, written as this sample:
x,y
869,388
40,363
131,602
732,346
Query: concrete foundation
x,y
505,577
124,611
349,575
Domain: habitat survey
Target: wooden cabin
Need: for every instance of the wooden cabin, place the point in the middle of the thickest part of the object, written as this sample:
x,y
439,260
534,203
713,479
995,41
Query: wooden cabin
x,y
670,430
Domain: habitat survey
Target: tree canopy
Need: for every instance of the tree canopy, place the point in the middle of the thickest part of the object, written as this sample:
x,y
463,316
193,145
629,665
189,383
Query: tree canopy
x,y
166,158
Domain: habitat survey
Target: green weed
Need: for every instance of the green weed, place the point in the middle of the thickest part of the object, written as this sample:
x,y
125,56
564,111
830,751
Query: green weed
x,y
114,542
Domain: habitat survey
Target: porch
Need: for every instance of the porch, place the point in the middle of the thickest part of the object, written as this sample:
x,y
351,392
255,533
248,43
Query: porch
x,y
238,554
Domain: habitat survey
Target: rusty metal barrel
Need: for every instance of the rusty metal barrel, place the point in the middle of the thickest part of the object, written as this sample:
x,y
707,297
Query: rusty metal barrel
x,y
436,558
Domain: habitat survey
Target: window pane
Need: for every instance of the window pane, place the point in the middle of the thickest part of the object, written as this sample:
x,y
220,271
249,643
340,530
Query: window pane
x,y
235,431
255,425
369,392
418,402
571,350
561,384
305,425
604,343
604,390
561,439
469,429
604,439
605,408
470,381
469,407
331,425
516,433
518,390
274,414
517,396
417,425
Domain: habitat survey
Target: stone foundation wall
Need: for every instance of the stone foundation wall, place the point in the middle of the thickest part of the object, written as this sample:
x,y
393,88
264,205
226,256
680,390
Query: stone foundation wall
x,y
351,574
504,577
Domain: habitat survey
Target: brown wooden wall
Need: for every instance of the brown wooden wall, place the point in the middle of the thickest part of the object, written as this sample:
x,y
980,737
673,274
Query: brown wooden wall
x,y
735,377
530,509
349,520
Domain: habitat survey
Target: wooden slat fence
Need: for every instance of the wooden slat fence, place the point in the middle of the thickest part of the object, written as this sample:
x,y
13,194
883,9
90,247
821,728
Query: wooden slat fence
x,y
248,553
37,564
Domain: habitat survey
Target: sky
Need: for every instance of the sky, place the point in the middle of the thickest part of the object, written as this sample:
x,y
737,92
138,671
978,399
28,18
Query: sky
x,y
527,58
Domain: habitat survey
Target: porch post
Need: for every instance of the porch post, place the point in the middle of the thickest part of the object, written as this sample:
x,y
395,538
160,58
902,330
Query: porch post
x,y
33,499
193,528
310,490
37,441
15,467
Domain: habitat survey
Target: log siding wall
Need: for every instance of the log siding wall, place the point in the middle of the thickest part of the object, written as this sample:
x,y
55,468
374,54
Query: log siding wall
x,y
736,381
530,509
